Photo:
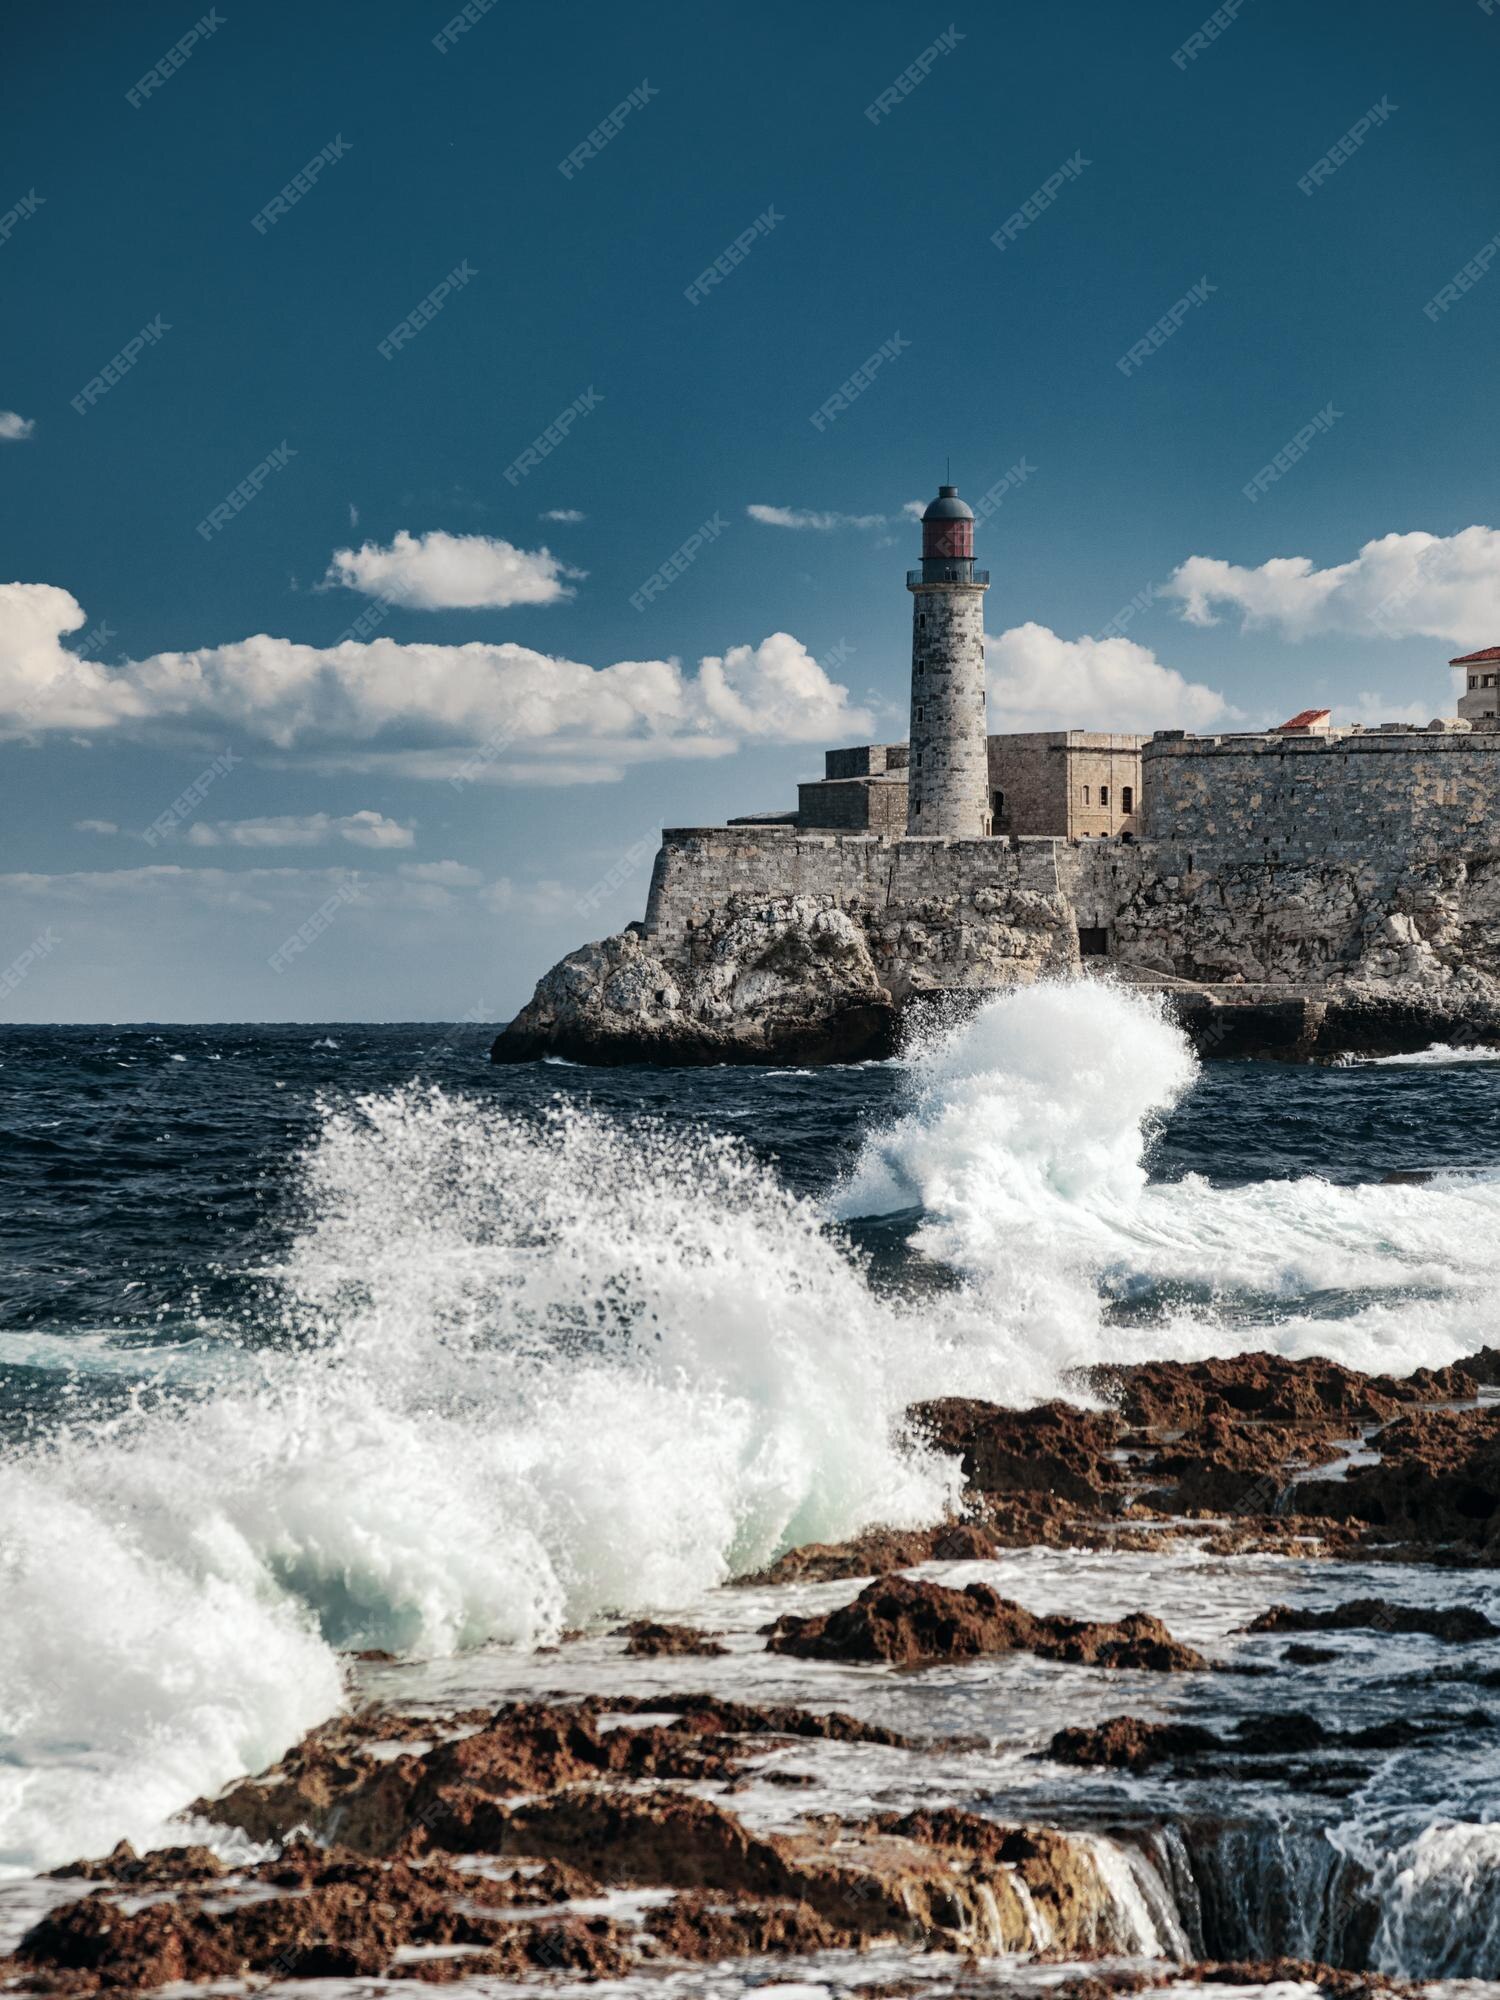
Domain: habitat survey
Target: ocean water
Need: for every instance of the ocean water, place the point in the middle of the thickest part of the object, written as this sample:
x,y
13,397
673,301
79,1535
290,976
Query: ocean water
x,y
315,1340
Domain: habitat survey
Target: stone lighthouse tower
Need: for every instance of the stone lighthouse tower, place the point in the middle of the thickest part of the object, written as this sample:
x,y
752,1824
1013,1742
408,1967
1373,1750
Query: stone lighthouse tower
x,y
948,785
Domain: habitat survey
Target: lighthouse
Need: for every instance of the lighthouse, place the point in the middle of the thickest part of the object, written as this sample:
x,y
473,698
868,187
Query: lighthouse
x,y
948,768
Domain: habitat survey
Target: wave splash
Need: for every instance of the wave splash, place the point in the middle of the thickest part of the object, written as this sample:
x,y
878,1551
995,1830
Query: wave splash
x,y
1024,1147
521,1375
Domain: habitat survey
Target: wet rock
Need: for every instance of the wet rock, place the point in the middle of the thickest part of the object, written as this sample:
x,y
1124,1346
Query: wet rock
x,y
1457,1624
348,1918
1125,1743
907,1621
1331,1980
1437,1482
1054,1450
445,1794
706,1928
649,1641
158,1865
1224,1465
711,1715
949,1878
877,1552
1176,1395
1271,1742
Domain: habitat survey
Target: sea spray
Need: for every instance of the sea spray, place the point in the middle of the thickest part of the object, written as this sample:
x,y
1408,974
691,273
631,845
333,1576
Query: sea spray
x,y
1024,1148
519,1374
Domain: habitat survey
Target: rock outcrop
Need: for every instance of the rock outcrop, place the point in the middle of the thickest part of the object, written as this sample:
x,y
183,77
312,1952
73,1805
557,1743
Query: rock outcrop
x,y
909,1622
1456,1624
784,979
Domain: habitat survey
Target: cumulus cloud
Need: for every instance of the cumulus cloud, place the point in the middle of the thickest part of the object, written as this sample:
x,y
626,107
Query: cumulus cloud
x,y
807,517
567,514
472,712
360,829
440,572
776,691
105,826
14,427
1414,585
1038,680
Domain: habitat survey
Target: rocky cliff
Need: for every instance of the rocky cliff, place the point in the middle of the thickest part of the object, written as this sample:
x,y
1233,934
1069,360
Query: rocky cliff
x,y
1298,958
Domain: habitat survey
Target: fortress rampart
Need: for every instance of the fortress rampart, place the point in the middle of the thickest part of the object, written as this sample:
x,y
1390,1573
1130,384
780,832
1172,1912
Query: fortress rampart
x,y
1385,795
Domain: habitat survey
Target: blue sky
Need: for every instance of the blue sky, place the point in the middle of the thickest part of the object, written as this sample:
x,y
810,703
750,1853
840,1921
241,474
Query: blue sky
x,y
435,825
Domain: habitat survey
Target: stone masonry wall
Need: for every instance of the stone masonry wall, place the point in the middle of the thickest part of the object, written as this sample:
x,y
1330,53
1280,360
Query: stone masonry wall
x,y
1383,799
854,805
965,914
948,772
967,893
1070,782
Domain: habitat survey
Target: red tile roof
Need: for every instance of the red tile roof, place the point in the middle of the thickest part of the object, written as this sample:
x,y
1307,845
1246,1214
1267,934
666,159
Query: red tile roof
x,y
1305,720
1474,659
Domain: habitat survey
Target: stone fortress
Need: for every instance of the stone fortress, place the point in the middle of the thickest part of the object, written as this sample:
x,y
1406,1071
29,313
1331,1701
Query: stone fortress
x,y
1298,891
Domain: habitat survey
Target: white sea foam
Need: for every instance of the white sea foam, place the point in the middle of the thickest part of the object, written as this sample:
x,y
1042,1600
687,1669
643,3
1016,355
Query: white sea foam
x,y
1438,1056
526,1374
529,1374
1023,1147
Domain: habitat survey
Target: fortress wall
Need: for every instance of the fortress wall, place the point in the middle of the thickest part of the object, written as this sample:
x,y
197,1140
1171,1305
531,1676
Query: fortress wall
x,y
1419,899
699,868
1387,799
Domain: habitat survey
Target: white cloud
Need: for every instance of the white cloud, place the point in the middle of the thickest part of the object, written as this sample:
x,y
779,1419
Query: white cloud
x,y
807,517
455,709
568,514
14,427
444,874
915,509
95,826
1416,585
361,829
440,572
1040,681
776,691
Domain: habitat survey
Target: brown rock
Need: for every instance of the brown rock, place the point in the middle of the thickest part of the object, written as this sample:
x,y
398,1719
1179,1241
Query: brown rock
x,y
348,1919
1458,1624
702,1927
158,1865
1125,1743
1437,1482
446,1795
649,1641
1054,1450
907,1621
877,1552
1173,1395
